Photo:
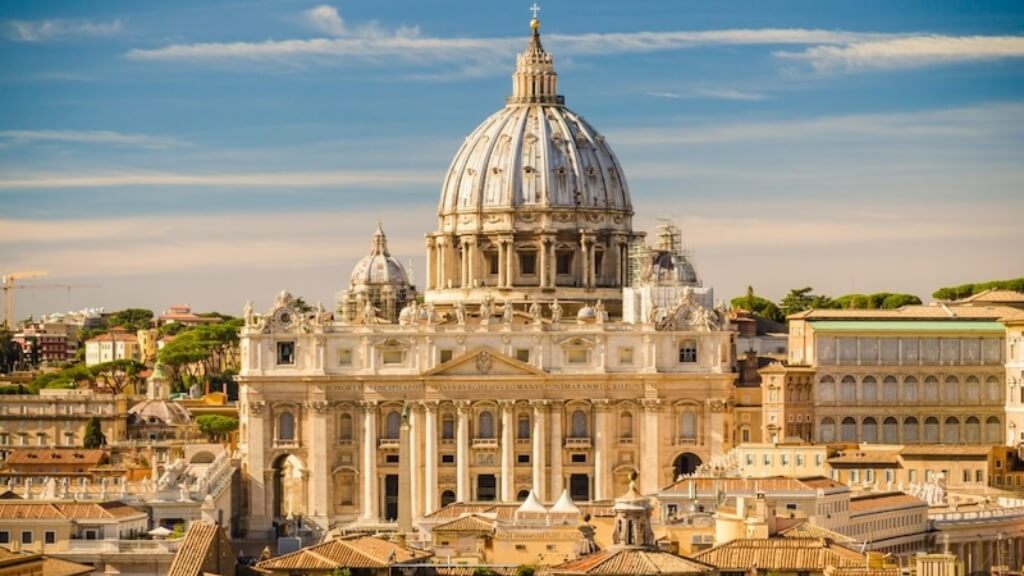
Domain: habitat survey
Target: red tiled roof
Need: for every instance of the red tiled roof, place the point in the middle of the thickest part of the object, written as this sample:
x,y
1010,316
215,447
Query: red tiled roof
x,y
769,484
467,524
191,556
114,337
872,502
634,561
358,552
780,554
16,510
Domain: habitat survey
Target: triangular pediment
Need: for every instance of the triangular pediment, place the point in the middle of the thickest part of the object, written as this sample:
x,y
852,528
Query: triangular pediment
x,y
484,361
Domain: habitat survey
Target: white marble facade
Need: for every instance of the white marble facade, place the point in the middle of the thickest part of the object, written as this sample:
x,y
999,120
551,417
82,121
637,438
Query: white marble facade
x,y
529,380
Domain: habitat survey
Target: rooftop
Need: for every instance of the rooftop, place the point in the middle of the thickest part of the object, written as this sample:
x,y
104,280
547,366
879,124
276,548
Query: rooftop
x,y
780,554
27,510
866,503
633,561
356,552
88,457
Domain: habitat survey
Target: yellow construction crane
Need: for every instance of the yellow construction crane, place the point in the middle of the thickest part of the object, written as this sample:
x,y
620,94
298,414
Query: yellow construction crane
x,y
10,285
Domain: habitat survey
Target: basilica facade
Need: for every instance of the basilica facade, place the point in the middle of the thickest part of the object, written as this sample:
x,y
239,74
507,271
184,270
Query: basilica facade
x,y
552,349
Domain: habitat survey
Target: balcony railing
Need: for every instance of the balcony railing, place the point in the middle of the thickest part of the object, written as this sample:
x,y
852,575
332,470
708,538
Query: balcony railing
x,y
279,443
388,443
686,440
577,442
485,442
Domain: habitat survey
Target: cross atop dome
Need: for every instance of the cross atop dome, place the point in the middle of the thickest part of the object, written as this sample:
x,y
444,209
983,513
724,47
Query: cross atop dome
x,y
535,9
535,80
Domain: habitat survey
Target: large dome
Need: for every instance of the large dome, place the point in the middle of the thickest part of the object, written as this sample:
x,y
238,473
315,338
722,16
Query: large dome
x,y
538,155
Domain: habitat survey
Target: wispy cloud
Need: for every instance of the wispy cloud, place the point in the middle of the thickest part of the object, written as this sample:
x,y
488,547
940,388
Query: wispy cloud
x,y
908,52
974,121
60,29
213,180
710,93
89,137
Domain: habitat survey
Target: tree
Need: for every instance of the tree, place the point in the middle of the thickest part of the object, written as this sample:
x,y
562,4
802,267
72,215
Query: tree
x,y
202,353
798,300
302,306
876,301
759,306
484,571
10,352
526,570
131,319
216,426
94,437
964,290
118,374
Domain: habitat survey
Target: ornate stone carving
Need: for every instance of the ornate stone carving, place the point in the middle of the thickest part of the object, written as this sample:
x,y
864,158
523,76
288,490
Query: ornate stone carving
x,y
319,406
462,406
717,404
483,362
256,407
651,404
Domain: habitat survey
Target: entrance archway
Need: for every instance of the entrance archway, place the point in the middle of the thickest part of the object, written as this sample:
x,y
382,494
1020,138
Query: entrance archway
x,y
289,495
685,463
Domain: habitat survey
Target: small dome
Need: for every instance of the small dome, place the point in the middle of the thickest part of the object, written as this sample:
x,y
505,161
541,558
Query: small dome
x,y
671,268
379,267
159,413
586,314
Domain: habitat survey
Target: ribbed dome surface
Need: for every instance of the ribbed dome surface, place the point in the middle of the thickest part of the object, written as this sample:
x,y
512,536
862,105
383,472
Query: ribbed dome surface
x,y
379,267
160,412
535,155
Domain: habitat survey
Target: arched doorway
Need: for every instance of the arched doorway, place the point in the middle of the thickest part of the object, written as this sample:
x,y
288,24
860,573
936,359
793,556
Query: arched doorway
x,y
685,463
289,495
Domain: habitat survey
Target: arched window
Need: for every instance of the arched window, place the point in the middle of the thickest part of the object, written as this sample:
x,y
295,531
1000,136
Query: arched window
x,y
827,430
486,423
931,430
447,497
286,426
869,430
951,391
972,390
993,430
524,427
522,495
993,390
392,425
890,431
869,390
849,430
951,431
827,389
579,424
688,426
345,427
931,390
848,390
447,427
626,426
972,430
890,390
911,431
910,390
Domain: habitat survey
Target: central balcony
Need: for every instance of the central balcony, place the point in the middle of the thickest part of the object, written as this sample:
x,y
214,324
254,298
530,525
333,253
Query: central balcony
x,y
485,443
578,442
388,443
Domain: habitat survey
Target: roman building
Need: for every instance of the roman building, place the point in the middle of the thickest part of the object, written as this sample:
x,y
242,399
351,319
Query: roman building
x,y
553,351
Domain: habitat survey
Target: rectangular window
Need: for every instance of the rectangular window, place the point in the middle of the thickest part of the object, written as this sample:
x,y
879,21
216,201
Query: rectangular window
x,y
967,476
391,459
393,357
26,537
688,351
800,460
492,263
50,537
5,537
285,353
528,263
598,262
564,258
578,458
854,475
578,356
446,356
447,458
523,355
522,458
626,356
750,459
913,475
345,357
979,476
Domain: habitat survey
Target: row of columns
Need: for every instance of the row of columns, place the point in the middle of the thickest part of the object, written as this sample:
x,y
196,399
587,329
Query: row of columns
x,y
546,437
443,258
982,555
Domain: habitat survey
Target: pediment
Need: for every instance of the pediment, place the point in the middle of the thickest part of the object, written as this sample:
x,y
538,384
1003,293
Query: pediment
x,y
483,361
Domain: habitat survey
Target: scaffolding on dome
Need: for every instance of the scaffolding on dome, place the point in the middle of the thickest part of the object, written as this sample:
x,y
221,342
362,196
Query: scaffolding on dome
x,y
668,262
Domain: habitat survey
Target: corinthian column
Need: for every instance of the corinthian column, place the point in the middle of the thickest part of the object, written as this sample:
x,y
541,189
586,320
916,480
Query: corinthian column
x,y
370,505
320,508
539,411
557,481
430,457
462,452
414,462
600,435
649,465
507,452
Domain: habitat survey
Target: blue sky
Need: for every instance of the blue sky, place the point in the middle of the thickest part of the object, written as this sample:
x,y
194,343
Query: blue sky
x,y
215,152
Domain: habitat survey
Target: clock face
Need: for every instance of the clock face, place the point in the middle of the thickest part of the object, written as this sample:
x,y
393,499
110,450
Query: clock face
x,y
284,317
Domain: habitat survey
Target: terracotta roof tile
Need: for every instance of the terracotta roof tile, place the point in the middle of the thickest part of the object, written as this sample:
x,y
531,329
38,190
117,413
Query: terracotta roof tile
x,y
872,502
14,509
781,554
467,524
191,556
972,450
638,562
58,567
358,552
805,529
